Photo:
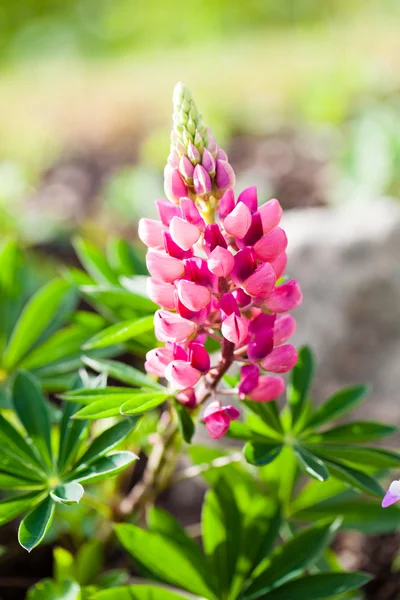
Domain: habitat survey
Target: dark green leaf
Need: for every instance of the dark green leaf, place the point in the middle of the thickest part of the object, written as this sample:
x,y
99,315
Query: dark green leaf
x,y
107,441
143,402
14,506
72,433
222,530
95,262
120,332
318,587
300,383
186,425
122,372
24,447
290,559
35,525
68,493
359,456
354,433
338,405
175,567
106,466
355,478
268,413
16,465
33,413
259,453
35,318
311,464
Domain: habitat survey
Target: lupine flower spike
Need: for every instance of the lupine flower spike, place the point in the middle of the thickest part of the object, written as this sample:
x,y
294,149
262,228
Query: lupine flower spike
x,y
216,264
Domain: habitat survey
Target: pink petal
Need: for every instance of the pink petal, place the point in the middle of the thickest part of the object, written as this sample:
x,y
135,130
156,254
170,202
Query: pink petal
x,y
201,181
220,262
174,185
193,296
211,408
279,265
186,168
225,175
284,328
187,398
193,154
392,495
181,374
261,282
213,237
249,198
208,162
281,359
167,210
170,327
244,265
249,376
285,297
173,249
157,360
271,245
217,425
269,388
183,233
190,213
271,214
161,293
238,221
163,267
231,411
150,232
235,329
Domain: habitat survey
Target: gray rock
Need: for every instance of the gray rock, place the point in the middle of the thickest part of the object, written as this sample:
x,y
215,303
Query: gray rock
x,y
348,263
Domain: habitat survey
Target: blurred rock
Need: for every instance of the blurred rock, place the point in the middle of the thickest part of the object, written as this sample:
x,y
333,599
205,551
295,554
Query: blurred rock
x,y
348,264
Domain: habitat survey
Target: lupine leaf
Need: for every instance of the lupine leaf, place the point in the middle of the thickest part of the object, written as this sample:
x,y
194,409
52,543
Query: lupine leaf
x,y
33,413
260,453
107,441
143,402
72,433
318,587
290,559
311,464
355,478
222,530
359,456
143,592
268,413
35,525
68,493
50,590
89,395
24,447
300,382
14,506
106,466
175,567
122,372
338,404
95,262
357,432
120,332
186,425
35,318
101,409
118,299
121,256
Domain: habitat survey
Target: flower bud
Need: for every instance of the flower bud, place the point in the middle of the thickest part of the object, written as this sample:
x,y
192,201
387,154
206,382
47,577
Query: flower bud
x,y
193,154
201,181
225,176
186,169
227,204
249,376
174,186
208,162
217,419
187,398
269,388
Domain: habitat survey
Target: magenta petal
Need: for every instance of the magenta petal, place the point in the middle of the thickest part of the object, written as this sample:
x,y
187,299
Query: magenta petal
x,y
217,425
269,388
225,175
201,181
261,345
279,265
167,210
271,245
281,359
196,270
198,357
249,375
249,198
262,323
228,306
244,265
227,204
238,221
261,282
231,411
186,168
208,162
173,249
163,267
254,233
285,297
284,328
187,398
191,213
174,185
213,237
221,262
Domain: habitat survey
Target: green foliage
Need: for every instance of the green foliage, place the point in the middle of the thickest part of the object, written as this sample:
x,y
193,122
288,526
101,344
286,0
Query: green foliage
x,y
50,475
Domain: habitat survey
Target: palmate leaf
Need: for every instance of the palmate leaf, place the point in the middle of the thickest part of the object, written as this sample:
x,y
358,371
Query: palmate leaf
x,y
300,383
67,493
269,415
15,505
50,590
120,332
35,525
362,457
337,405
104,467
311,464
261,453
121,372
355,478
357,432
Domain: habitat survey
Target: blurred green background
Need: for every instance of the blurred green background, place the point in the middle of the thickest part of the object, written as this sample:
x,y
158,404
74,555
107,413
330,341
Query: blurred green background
x,y
303,94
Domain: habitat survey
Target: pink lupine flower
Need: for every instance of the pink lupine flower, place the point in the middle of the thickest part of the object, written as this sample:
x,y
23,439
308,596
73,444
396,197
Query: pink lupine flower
x,y
281,359
169,327
217,419
215,265
392,495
